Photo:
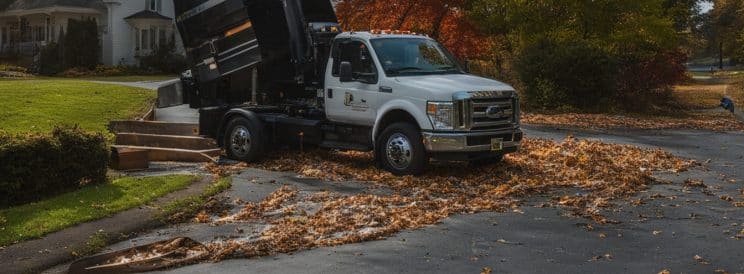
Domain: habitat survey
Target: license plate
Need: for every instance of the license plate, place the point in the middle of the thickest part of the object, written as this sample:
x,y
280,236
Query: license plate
x,y
497,144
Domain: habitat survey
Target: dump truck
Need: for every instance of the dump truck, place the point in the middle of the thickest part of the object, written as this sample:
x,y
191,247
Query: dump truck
x,y
281,73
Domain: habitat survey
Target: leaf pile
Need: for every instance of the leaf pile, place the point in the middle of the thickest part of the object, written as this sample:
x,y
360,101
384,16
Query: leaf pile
x,y
705,121
297,220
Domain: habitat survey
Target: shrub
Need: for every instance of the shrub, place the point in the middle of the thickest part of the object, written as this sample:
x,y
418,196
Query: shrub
x,y
165,59
81,44
36,166
567,75
50,59
644,81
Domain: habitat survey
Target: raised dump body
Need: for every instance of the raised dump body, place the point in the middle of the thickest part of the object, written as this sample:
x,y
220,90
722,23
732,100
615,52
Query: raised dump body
x,y
287,42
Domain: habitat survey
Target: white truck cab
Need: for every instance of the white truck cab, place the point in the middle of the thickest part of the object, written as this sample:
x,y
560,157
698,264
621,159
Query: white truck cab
x,y
378,79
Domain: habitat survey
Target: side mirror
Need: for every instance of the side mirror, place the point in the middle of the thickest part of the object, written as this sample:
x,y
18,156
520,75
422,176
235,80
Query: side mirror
x,y
344,72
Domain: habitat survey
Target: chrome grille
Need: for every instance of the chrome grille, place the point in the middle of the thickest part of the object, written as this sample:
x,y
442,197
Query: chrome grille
x,y
486,111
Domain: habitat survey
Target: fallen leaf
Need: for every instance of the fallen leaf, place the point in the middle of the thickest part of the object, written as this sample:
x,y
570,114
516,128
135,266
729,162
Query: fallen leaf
x,y
695,183
700,260
486,270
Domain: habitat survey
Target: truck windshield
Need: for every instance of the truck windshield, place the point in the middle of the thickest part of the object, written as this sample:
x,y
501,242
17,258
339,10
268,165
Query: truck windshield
x,y
414,56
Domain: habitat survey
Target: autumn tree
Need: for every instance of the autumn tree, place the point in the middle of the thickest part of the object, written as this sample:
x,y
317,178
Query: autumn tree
x,y
727,29
441,19
636,43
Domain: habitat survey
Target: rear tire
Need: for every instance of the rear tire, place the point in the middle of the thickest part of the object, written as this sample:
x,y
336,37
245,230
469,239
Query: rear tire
x,y
400,150
245,140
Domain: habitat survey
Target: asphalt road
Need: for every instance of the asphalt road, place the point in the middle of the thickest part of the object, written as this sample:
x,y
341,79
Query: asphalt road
x,y
662,234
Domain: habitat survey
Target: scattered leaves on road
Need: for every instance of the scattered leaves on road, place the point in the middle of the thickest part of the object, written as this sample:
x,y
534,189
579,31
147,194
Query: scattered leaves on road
x,y
707,121
600,172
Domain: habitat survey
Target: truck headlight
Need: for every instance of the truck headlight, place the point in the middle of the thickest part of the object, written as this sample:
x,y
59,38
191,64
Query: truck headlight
x,y
441,115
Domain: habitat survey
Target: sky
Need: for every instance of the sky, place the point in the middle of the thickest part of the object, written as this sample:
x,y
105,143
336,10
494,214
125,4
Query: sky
x,y
706,6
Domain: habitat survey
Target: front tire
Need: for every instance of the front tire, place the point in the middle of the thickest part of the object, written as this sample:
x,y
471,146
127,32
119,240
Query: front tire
x,y
400,150
244,140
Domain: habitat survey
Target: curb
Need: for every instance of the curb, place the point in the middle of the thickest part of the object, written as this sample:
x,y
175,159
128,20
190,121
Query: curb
x,y
57,248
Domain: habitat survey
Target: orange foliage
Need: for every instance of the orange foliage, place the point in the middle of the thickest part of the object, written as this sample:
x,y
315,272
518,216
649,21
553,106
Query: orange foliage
x,y
443,20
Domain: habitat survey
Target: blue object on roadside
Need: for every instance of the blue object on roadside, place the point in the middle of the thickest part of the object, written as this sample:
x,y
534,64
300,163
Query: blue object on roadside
x,y
728,104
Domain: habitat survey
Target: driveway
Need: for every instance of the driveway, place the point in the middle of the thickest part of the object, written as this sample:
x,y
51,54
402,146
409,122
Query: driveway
x,y
153,85
678,229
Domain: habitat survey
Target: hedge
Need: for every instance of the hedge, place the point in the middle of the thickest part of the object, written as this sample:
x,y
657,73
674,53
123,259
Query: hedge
x,y
35,166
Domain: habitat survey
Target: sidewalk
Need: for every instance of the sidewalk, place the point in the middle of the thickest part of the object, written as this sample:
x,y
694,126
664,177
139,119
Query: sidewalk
x,y
57,248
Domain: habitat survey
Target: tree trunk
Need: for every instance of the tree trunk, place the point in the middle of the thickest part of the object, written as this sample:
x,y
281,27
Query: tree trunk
x,y
402,18
438,22
720,55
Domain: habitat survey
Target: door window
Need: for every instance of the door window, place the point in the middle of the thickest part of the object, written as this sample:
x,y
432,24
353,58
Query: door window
x,y
356,53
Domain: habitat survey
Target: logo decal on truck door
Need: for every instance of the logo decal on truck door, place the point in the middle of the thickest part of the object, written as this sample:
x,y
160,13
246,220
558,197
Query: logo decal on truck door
x,y
355,105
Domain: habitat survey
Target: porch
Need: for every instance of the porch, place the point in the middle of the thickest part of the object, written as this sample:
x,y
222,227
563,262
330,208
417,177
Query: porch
x,y
23,33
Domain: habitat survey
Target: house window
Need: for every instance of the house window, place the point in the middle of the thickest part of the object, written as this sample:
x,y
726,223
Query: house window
x,y
162,38
153,38
137,39
145,39
155,5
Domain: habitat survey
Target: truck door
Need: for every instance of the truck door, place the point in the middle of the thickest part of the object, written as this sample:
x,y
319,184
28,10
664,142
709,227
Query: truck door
x,y
352,102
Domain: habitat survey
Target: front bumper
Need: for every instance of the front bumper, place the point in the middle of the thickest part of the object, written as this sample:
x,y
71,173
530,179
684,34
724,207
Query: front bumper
x,y
470,142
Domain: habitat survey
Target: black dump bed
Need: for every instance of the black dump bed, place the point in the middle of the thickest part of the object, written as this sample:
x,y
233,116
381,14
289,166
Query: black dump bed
x,y
286,43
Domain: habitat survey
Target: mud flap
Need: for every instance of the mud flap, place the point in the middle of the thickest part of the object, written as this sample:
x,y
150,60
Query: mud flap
x,y
170,94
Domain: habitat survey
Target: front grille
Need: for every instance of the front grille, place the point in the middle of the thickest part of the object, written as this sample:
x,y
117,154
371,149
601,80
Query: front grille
x,y
479,112
492,113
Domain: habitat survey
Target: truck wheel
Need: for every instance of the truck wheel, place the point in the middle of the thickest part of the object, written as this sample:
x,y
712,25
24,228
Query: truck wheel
x,y
244,140
400,150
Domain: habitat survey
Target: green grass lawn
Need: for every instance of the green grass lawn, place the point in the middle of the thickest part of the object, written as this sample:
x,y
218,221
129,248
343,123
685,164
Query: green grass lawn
x,y
84,205
133,78
40,104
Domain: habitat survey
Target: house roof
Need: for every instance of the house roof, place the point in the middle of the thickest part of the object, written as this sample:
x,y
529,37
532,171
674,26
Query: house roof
x,y
6,5
148,14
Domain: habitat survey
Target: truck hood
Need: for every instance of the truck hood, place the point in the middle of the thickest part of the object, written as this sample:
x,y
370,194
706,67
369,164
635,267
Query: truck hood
x,y
442,87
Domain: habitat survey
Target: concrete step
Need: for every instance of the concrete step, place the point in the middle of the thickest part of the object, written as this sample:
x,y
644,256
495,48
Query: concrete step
x,y
159,154
165,141
155,128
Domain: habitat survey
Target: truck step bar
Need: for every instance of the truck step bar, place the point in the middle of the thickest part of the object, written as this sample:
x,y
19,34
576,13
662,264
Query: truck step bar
x,y
344,146
156,128
165,141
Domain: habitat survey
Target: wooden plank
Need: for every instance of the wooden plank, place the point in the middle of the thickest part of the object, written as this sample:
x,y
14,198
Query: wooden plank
x,y
129,159
150,127
165,141
158,154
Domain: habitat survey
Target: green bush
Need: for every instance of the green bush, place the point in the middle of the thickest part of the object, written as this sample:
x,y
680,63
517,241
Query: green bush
x,y
81,44
165,59
50,60
35,166
566,76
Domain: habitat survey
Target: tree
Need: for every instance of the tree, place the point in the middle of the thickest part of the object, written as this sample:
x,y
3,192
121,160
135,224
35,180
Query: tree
x,y
443,20
82,44
634,34
727,24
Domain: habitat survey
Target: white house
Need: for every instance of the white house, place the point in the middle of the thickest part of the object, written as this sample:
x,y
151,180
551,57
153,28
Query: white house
x,y
128,28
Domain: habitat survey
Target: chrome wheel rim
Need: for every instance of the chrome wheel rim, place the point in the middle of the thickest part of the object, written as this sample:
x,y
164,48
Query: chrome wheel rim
x,y
399,151
240,141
